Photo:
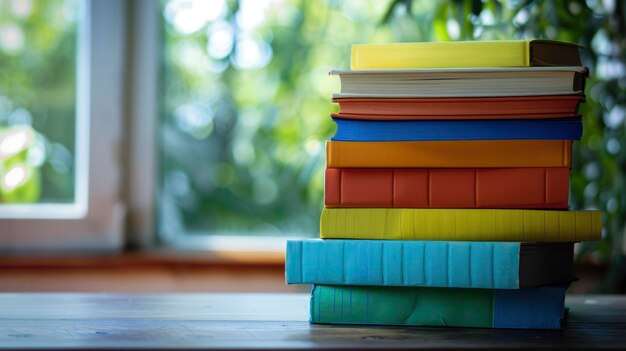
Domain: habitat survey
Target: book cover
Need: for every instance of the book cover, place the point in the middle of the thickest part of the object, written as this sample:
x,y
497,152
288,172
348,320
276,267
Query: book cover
x,y
451,264
510,107
501,53
449,154
536,187
511,129
474,82
530,308
460,224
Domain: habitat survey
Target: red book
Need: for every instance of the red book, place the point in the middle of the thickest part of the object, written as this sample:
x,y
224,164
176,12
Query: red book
x,y
519,107
529,188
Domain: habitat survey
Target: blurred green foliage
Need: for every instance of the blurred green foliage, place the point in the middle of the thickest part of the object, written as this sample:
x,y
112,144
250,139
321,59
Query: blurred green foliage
x,y
38,89
245,110
246,103
20,180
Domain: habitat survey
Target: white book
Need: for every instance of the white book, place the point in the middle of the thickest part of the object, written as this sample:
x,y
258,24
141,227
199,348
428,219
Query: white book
x,y
461,82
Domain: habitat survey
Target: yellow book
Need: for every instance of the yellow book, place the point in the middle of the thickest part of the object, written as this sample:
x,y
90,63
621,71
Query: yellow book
x,y
500,53
449,154
460,224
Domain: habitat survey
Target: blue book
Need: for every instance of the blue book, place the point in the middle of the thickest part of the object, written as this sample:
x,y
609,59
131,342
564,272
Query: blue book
x,y
450,264
530,308
430,130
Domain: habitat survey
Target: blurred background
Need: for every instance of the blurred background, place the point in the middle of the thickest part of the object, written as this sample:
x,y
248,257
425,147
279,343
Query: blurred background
x,y
236,129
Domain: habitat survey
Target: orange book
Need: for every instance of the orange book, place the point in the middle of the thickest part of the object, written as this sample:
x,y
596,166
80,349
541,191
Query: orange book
x,y
449,154
530,188
514,107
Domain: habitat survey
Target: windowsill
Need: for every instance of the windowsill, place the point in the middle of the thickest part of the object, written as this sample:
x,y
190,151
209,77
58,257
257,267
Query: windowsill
x,y
155,271
137,259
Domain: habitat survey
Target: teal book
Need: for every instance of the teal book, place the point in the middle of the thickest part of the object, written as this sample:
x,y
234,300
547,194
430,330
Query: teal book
x,y
452,264
530,308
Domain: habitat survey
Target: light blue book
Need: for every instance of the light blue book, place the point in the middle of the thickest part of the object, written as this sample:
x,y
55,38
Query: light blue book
x,y
454,264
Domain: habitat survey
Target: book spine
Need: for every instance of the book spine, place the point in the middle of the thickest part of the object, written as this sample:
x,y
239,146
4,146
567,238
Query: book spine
x,y
461,108
402,306
533,308
449,154
510,129
404,263
447,188
460,224
420,84
440,55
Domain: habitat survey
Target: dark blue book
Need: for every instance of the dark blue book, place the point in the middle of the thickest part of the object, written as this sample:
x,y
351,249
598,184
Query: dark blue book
x,y
430,130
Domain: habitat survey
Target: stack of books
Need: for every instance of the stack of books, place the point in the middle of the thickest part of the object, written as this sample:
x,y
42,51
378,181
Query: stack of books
x,y
446,193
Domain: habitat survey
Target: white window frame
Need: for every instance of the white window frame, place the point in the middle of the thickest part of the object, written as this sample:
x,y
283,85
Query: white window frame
x,y
141,175
118,65
96,219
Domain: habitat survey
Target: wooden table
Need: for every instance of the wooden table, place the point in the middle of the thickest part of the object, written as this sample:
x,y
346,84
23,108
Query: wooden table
x,y
247,321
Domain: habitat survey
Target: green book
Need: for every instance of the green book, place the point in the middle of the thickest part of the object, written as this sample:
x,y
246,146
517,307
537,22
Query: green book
x,y
529,308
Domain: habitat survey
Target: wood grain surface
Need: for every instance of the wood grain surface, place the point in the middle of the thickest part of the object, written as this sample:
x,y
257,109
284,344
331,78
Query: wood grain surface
x,y
274,321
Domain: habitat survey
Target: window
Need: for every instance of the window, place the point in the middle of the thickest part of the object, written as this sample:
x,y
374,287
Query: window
x,y
60,123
